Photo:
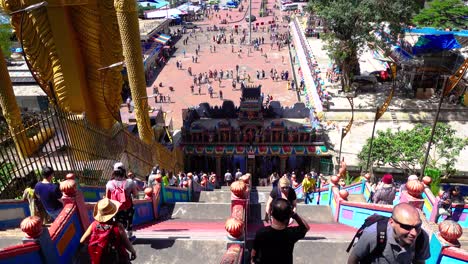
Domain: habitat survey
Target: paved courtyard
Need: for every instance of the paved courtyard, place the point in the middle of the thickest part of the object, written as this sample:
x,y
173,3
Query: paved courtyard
x,y
221,59
250,61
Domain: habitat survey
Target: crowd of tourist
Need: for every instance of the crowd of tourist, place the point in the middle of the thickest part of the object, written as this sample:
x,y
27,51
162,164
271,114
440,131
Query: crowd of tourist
x,y
114,213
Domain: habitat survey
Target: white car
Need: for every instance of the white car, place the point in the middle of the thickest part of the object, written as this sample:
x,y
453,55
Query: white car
x,y
224,7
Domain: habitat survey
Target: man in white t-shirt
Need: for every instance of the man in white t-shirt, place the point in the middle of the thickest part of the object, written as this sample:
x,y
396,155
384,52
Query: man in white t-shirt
x,y
228,178
238,174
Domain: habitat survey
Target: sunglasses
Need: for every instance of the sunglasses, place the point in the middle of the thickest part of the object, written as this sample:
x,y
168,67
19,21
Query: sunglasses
x,y
408,227
284,188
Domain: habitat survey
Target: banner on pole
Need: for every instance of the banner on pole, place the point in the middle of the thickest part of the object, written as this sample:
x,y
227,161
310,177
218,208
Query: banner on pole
x,y
348,127
382,109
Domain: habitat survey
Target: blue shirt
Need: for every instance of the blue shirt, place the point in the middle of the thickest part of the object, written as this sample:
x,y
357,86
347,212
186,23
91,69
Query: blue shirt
x,y
49,194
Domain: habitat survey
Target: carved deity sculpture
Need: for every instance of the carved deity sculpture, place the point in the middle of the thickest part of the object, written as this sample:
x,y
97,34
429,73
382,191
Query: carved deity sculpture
x,y
69,46
277,136
225,136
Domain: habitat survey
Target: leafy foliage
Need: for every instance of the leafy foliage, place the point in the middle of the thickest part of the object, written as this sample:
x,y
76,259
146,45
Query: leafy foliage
x,y
436,178
443,14
351,25
406,149
6,169
5,39
350,179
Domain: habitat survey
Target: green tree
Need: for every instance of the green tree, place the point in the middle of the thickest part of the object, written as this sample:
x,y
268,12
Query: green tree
x,y
5,39
405,149
443,14
351,25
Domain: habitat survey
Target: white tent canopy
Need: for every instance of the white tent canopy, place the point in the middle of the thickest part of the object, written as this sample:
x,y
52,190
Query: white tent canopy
x,y
164,13
187,7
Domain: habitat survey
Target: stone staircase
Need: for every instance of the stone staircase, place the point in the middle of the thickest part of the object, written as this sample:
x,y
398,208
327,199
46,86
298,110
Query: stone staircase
x,y
193,232
326,241
358,198
188,232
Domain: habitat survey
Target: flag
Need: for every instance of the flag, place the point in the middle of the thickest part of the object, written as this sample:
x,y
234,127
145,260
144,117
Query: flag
x,y
455,78
381,110
348,127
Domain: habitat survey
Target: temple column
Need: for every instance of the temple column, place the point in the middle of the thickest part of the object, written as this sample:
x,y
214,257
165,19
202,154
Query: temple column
x,y
127,18
218,169
283,164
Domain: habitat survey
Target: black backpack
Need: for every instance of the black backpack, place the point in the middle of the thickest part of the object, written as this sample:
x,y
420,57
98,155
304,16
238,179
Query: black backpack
x,y
382,222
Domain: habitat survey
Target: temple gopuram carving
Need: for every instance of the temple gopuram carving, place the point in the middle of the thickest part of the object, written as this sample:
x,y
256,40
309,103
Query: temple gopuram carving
x,y
252,138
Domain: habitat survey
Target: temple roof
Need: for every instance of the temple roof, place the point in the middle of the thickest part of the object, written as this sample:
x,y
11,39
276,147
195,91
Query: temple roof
x,y
251,92
211,124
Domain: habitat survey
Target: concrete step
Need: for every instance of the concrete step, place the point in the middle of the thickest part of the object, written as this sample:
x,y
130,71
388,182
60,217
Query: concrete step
x,y
262,188
257,197
175,251
215,197
356,198
311,213
206,211
321,251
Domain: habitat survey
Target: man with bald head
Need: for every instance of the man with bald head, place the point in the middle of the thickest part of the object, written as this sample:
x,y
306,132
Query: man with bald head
x,y
406,241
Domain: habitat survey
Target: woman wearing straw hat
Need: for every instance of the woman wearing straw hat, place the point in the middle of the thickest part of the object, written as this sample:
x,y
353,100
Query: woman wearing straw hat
x,y
108,241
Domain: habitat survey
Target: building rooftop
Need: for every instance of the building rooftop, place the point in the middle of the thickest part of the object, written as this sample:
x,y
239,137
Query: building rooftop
x,y
212,123
148,27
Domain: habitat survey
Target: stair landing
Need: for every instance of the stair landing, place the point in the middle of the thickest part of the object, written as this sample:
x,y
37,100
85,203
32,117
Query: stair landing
x,y
184,229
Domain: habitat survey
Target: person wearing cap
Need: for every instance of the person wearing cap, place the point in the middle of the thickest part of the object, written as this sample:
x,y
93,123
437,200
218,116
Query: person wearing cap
x,y
49,193
283,190
385,192
126,210
104,214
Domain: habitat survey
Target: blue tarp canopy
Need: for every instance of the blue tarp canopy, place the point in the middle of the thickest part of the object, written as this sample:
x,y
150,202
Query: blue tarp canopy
x,y
153,3
435,43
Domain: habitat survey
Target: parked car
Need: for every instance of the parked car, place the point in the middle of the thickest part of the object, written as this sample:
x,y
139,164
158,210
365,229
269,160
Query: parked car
x,y
251,18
